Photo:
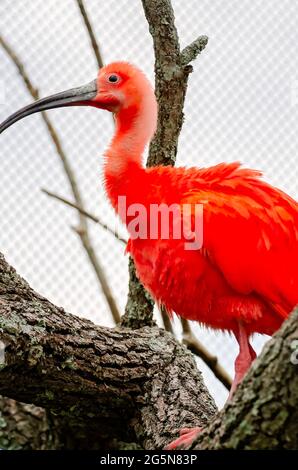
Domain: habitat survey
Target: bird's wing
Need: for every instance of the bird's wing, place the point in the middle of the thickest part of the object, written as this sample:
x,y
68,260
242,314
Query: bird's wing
x,y
251,234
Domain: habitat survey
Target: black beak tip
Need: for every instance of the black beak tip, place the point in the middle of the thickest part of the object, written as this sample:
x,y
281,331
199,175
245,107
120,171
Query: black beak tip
x,y
74,97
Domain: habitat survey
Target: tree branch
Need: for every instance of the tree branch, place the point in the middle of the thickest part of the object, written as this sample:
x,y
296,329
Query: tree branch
x,y
26,427
166,319
87,214
139,305
197,348
133,385
171,77
191,52
93,41
83,227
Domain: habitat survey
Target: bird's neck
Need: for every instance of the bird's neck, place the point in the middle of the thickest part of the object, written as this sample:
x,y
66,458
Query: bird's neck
x,y
134,128
128,143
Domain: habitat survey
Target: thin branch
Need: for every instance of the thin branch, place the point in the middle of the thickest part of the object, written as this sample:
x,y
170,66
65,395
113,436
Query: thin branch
x,y
166,319
170,89
196,347
170,81
93,40
20,66
160,18
83,232
87,214
191,52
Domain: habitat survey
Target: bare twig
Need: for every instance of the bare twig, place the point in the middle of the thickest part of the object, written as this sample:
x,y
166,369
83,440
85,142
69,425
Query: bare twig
x,y
190,53
196,347
166,319
93,40
87,214
20,66
83,232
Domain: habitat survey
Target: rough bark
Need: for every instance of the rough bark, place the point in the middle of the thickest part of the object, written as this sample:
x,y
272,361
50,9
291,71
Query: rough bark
x,y
130,385
264,410
172,70
29,427
139,306
25,427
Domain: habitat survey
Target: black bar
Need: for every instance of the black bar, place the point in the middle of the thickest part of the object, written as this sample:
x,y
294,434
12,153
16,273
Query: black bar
x,y
145,459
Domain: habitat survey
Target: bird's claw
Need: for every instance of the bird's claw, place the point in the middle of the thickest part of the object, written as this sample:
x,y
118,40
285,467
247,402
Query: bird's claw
x,y
187,436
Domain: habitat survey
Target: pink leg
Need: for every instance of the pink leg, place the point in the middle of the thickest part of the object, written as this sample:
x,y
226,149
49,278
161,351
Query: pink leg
x,y
187,436
242,364
244,359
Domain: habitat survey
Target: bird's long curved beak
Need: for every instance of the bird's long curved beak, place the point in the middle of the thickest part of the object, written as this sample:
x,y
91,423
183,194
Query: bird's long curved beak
x,y
80,96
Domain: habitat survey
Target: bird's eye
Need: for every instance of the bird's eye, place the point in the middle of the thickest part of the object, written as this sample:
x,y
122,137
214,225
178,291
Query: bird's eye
x,y
113,78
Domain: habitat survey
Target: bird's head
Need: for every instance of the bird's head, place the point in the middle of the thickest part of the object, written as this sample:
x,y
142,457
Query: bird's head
x,y
119,87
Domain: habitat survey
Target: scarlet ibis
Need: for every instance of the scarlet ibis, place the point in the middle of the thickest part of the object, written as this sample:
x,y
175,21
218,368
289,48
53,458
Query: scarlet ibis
x,y
244,277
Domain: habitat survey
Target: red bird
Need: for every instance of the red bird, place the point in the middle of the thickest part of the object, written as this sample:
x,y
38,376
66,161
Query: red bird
x,y
244,277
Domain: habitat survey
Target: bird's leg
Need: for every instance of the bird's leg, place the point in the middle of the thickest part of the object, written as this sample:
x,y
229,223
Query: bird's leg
x,y
242,363
244,359
187,436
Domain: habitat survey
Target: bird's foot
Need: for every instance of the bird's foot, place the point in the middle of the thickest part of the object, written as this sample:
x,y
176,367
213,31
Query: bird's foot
x,y
187,436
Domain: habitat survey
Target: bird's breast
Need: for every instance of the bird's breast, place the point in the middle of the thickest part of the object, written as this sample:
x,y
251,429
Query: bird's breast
x,y
187,283
176,277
